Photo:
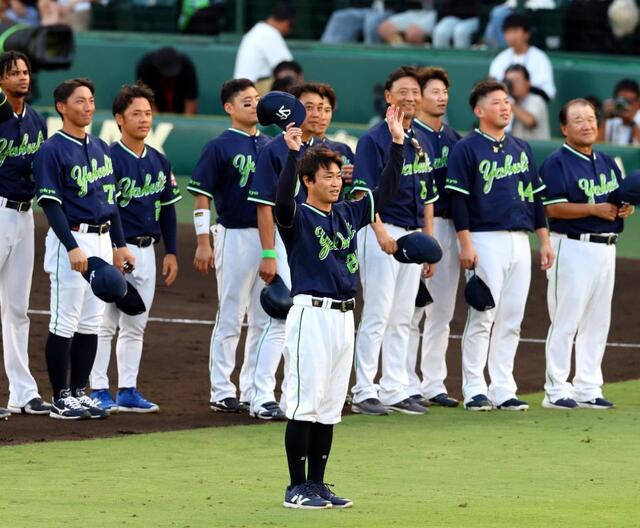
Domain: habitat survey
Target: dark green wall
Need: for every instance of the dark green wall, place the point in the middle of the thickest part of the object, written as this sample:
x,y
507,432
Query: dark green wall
x,y
110,58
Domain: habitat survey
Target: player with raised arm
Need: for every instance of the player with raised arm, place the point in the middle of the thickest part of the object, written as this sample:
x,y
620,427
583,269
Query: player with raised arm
x,y
320,238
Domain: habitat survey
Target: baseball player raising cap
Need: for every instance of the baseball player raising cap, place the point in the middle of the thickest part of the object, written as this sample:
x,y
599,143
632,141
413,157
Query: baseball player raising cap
x,y
320,238
495,203
77,190
21,135
147,194
225,174
584,230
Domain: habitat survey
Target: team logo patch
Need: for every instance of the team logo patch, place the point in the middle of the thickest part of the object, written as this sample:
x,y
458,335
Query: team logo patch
x,y
283,113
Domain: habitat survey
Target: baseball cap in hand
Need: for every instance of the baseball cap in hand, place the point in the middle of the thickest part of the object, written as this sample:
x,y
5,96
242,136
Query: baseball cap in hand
x,y
107,282
418,248
477,294
275,299
280,108
424,297
131,303
628,192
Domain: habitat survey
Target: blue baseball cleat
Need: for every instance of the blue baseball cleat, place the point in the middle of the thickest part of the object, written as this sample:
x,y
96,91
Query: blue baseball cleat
x,y
130,400
105,401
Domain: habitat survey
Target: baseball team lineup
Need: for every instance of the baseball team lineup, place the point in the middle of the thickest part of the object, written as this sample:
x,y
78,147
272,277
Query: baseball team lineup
x,y
302,224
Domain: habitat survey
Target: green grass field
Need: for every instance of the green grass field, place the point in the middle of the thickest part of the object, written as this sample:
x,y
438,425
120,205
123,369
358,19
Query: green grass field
x,y
448,469
628,246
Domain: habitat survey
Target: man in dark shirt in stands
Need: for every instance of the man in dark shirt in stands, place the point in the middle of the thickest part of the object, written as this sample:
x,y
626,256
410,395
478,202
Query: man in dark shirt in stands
x,y
172,77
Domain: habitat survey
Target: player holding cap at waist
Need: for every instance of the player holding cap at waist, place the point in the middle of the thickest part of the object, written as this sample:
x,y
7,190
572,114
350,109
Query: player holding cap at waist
x,y
320,239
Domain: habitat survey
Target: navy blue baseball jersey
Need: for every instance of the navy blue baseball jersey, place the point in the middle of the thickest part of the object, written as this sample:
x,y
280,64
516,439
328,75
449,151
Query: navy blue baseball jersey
x,y
348,158
500,179
442,142
78,174
416,185
271,160
573,177
145,184
321,247
20,138
225,173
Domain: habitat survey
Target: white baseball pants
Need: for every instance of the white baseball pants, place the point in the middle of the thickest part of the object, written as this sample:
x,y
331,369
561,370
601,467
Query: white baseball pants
x,y
271,344
579,295
74,307
443,287
319,345
389,289
504,263
237,259
131,328
16,270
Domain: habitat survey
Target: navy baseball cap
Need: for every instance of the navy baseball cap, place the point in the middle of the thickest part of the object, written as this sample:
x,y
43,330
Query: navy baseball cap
x,y
275,299
418,248
131,303
478,295
107,282
424,297
280,108
629,190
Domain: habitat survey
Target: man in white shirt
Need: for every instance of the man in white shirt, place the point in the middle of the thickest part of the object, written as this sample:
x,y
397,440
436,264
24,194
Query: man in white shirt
x,y
622,124
263,47
517,35
530,112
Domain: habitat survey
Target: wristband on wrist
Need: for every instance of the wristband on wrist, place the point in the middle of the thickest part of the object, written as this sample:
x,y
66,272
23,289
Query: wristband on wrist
x,y
269,253
201,221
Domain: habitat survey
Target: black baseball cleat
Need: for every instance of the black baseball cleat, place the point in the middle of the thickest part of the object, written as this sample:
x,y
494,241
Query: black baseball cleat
x,y
479,403
269,411
324,492
407,406
564,404
33,406
4,414
370,407
305,497
229,405
596,403
66,407
420,399
92,406
513,404
444,400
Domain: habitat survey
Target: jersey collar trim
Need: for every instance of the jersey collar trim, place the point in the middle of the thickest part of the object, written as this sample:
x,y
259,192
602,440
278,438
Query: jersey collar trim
x,y
322,213
24,112
127,149
74,140
243,133
578,153
490,138
424,125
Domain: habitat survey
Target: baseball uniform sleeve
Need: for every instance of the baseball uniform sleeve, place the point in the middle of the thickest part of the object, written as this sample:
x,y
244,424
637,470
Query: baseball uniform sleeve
x,y
171,192
555,190
204,178
368,165
537,182
265,180
285,206
46,171
460,171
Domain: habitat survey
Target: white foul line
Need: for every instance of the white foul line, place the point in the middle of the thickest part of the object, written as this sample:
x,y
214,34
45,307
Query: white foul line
x,y
207,322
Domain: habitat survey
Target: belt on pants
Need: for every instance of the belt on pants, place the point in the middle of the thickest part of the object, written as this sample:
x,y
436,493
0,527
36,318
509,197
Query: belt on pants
x,y
325,302
141,241
21,207
609,240
406,228
100,229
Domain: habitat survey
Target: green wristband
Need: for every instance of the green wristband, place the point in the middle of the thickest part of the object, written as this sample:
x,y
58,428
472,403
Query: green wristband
x,y
269,253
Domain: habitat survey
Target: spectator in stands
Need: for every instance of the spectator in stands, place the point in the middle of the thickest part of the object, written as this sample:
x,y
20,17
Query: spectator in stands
x,y
360,20
263,47
74,13
202,17
517,34
172,77
18,12
457,24
493,36
412,26
622,114
287,74
530,112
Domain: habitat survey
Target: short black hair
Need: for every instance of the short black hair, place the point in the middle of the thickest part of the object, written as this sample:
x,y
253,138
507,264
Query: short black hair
x,y
519,68
309,87
316,158
287,65
283,11
626,85
231,88
516,21
434,74
128,93
403,71
562,115
63,91
483,88
9,58
330,94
